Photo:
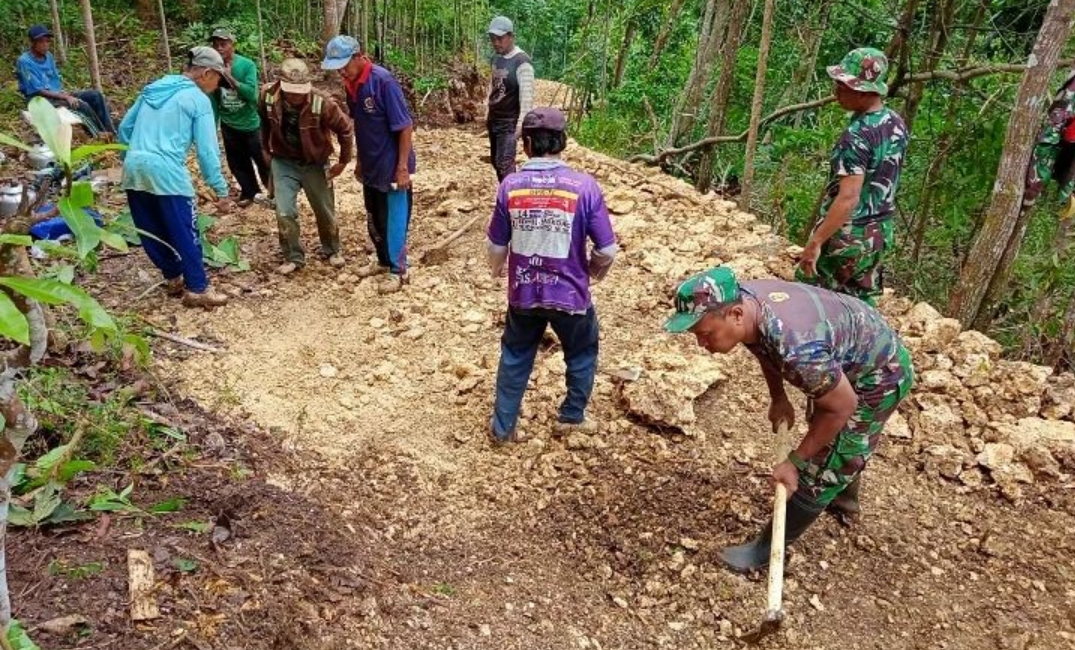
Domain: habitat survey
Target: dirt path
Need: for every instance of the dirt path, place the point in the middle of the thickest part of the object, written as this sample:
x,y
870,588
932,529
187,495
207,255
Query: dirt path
x,y
591,542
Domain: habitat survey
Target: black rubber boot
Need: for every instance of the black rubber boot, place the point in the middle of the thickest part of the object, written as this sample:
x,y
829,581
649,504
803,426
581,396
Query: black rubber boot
x,y
847,502
754,555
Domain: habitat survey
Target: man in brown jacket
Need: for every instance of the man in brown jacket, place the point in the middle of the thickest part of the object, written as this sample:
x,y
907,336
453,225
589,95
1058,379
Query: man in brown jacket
x,y
297,121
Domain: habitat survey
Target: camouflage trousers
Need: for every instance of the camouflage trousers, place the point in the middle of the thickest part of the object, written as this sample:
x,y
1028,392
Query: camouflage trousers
x,y
834,468
850,261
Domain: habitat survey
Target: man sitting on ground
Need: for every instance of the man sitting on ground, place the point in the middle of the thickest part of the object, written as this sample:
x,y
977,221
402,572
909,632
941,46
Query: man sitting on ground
x,y
38,76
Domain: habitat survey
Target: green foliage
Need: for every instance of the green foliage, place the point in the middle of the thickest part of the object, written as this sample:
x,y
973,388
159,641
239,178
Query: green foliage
x,y
75,572
17,637
224,253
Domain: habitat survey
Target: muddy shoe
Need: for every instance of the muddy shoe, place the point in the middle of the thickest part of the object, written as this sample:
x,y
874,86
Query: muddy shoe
x,y
207,300
174,287
242,204
564,429
287,268
337,260
393,283
754,554
370,270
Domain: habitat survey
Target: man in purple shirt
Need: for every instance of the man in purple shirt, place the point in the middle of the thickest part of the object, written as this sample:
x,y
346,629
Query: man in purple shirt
x,y
544,215
383,134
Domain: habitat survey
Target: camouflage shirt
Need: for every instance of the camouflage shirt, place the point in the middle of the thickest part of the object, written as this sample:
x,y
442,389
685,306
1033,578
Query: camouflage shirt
x,y
873,145
813,336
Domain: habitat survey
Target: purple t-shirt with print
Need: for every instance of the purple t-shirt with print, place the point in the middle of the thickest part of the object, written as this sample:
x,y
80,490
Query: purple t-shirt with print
x,y
545,213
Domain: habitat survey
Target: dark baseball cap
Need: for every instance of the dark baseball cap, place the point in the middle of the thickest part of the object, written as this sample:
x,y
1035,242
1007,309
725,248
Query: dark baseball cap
x,y
39,31
548,118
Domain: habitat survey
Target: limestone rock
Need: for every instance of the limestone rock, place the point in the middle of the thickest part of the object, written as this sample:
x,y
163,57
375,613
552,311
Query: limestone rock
x,y
1058,402
938,334
996,455
943,460
938,421
1041,462
897,427
664,395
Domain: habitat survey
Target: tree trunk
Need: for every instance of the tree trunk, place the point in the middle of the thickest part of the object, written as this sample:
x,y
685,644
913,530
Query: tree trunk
x,y
91,44
261,42
926,203
1065,353
798,90
332,19
666,31
57,32
365,23
164,31
625,50
898,50
755,109
722,91
985,270
688,106
938,42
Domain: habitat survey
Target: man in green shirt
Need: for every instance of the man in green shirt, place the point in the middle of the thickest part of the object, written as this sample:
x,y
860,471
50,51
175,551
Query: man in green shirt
x,y
237,110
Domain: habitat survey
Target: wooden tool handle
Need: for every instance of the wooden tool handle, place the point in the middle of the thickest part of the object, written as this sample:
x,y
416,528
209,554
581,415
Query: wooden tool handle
x,y
776,551
776,546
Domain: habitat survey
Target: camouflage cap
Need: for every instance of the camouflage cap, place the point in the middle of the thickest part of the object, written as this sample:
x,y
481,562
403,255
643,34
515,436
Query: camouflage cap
x,y
294,77
863,70
700,293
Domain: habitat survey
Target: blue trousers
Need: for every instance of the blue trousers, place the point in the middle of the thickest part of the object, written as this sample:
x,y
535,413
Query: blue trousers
x,y
579,337
174,221
388,219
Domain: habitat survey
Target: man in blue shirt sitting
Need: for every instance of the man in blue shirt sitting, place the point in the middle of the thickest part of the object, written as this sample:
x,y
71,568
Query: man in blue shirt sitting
x,y
38,76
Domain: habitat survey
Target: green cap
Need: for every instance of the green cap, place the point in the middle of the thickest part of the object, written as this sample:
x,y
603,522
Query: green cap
x,y
700,293
222,34
863,70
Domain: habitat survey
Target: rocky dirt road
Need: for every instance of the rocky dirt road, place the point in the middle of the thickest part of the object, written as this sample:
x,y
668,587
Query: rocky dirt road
x,y
395,524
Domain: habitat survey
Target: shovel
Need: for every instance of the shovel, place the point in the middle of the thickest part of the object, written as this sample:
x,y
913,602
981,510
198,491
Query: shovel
x,y
774,612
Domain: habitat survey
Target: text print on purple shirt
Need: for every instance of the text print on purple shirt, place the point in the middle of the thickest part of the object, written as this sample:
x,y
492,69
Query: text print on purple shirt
x,y
546,212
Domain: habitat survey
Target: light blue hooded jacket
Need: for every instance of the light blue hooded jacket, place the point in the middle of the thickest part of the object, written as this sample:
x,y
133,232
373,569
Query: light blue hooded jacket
x,y
171,114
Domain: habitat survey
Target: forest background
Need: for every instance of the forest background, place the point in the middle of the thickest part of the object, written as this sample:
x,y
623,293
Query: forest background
x,y
652,77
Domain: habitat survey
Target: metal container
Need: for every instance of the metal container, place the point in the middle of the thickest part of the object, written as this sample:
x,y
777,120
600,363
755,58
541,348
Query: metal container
x,y
41,157
10,197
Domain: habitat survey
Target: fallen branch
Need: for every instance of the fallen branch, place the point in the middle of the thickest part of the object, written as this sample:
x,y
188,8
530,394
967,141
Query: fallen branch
x,y
175,338
435,250
963,75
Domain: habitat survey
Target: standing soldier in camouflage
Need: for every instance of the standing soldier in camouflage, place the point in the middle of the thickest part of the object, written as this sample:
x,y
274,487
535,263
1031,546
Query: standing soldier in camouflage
x,y
848,243
511,96
1054,152
836,349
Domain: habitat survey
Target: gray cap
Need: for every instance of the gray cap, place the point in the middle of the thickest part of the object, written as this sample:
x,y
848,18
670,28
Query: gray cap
x,y
222,34
501,25
206,57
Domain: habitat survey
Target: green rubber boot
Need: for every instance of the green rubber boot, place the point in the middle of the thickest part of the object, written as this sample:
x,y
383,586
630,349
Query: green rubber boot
x,y
754,555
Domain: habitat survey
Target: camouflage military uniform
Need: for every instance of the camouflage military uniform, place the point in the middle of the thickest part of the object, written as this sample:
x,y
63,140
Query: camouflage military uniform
x,y
873,145
813,338
1048,146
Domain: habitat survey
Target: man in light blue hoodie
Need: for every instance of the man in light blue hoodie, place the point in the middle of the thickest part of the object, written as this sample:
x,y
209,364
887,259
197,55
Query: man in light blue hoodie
x,y
169,116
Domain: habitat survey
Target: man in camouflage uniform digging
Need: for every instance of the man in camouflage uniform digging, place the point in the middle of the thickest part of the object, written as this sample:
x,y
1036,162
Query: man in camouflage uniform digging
x,y
855,228
833,347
